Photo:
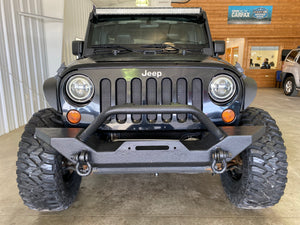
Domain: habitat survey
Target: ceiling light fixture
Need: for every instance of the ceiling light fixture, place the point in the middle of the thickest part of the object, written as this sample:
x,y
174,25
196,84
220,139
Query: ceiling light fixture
x,y
142,3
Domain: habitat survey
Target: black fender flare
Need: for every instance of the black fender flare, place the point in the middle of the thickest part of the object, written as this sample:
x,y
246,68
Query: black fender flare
x,y
250,90
50,92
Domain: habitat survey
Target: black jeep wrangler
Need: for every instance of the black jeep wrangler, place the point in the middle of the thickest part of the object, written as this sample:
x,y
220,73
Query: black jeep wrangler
x,y
148,94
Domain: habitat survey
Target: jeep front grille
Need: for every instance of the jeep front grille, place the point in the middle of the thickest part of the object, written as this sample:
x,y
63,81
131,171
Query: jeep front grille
x,y
151,92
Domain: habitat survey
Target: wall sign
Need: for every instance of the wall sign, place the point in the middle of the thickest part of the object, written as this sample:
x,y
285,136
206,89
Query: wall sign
x,y
249,14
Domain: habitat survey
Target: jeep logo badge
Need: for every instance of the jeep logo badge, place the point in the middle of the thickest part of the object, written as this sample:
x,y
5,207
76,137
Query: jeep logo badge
x,y
147,73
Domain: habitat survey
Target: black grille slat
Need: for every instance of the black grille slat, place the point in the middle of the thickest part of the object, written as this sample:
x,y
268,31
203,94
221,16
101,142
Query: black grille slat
x,y
136,97
181,93
197,94
105,96
166,90
151,95
121,97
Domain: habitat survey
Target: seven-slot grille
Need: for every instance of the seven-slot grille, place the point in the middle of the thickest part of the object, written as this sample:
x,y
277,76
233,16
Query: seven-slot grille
x,y
150,92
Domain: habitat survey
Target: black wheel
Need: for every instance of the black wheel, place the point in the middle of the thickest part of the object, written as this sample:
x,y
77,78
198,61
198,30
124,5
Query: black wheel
x,y
45,183
289,87
257,177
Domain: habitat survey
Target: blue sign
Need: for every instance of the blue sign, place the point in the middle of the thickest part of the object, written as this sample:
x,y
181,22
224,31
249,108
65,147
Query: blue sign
x,y
250,14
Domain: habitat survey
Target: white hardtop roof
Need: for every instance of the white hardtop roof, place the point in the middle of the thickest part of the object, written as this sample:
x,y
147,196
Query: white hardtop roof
x,y
148,11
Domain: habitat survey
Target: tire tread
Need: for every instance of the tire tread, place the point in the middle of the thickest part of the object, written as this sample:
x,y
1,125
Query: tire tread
x,y
39,170
264,168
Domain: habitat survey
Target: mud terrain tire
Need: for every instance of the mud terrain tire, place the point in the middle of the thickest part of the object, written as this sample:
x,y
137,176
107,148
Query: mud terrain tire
x,y
43,182
261,179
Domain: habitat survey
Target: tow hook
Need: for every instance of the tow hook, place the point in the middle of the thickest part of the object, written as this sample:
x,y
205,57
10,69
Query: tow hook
x,y
83,167
219,157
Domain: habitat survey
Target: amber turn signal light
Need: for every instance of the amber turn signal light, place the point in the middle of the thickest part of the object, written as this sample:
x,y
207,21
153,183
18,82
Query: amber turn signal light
x,y
73,116
228,115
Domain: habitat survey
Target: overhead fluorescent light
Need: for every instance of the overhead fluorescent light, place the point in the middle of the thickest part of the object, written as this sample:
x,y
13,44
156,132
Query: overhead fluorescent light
x,y
142,3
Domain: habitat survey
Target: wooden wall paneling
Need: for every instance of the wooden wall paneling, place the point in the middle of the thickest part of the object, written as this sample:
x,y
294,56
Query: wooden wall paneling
x,y
263,78
283,22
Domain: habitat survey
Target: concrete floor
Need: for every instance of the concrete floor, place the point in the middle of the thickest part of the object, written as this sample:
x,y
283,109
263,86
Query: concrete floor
x,y
166,199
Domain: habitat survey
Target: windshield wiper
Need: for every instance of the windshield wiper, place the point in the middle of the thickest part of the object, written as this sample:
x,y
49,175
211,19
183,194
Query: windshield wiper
x,y
116,49
162,46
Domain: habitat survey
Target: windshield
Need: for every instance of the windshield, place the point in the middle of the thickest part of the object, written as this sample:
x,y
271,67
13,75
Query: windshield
x,y
147,30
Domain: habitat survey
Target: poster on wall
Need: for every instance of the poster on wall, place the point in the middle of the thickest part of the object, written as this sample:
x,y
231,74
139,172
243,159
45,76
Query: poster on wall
x,y
250,14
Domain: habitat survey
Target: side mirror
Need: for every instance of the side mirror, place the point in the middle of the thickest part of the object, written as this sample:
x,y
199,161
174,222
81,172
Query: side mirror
x,y
77,48
219,48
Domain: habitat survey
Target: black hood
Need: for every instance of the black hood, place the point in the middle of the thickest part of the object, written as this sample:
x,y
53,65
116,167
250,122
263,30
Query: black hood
x,y
137,59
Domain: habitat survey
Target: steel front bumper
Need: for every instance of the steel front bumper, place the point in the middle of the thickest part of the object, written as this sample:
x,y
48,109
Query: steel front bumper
x,y
151,156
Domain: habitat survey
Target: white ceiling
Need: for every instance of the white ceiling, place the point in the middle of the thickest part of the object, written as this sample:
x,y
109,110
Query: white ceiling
x,y
114,3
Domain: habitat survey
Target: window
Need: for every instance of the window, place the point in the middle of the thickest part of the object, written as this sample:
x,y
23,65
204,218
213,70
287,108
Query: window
x,y
298,59
264,57
141,30
292,55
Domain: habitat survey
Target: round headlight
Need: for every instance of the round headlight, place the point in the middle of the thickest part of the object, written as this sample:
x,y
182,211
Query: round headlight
x,y
222,88
80,88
